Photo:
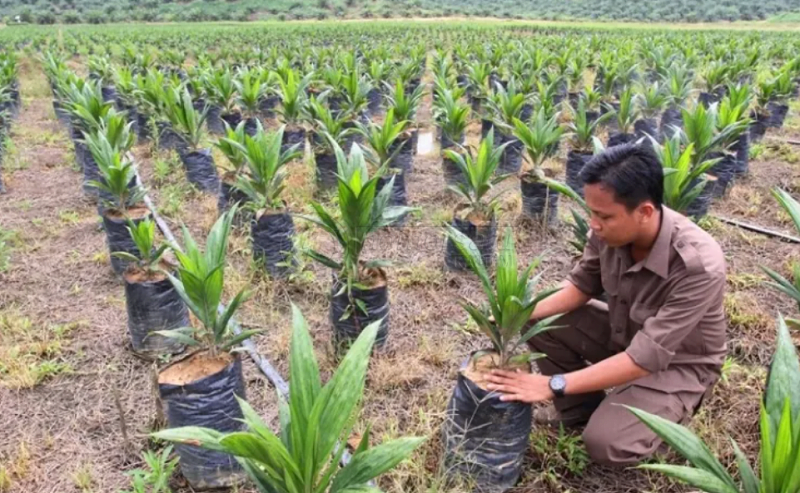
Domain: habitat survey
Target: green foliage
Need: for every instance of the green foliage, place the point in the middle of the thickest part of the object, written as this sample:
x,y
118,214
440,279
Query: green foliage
x,y
266,163
185,118
231,146
382,137
789,288
200,282
118,175
154,479
450,113
511,300
582,129
362,210
479,172
683,181
402,103
780,437
539,138
250,89
144,237
316,419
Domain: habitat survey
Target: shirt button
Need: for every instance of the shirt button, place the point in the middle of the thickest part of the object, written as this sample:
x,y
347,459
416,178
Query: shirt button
x,y
680,244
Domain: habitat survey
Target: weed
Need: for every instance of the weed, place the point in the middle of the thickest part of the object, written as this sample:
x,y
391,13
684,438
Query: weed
x,y
69,218
469,327
83,478
741,313
440,216
100,258
9,240
164,169
559,454
745,281
16,467
25,205
756,151
420,275
172,199
30,353
156,477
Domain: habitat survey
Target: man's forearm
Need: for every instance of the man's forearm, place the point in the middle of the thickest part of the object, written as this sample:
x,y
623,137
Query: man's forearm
x,y
611,372
569,298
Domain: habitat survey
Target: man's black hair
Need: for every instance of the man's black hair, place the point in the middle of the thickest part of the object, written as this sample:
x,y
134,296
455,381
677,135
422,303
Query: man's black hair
x,y
631,171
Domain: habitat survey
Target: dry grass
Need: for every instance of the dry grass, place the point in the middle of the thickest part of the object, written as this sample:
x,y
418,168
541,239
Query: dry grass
x,y
68,308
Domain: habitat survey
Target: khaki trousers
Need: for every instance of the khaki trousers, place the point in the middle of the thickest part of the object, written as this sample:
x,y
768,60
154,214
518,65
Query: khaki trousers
x,y
613,435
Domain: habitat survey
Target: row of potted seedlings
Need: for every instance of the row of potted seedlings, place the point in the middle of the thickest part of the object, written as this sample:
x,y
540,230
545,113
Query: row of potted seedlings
x,y
9,101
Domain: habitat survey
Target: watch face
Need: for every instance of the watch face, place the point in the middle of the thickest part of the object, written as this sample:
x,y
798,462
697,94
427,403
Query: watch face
x,y
558,383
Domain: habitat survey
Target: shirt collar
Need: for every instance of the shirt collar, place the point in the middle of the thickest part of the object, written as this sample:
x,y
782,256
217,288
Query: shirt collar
x,y
657,260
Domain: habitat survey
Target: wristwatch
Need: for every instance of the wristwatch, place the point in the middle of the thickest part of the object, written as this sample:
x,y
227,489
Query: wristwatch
x,y
558,384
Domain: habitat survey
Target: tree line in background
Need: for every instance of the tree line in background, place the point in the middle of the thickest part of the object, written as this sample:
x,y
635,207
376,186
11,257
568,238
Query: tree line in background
x,y
105,11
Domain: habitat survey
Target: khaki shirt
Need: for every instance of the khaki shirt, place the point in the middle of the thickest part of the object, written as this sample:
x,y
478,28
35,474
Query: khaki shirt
x,y
666,310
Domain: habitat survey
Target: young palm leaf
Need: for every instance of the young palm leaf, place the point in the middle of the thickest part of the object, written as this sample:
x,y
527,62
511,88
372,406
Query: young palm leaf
x,y
306,456
789,288
511,300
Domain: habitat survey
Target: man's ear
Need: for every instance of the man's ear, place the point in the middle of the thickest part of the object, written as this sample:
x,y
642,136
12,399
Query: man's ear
x,y
647,210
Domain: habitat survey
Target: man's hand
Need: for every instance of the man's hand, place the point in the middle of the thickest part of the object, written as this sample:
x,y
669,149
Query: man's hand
x,y
522,387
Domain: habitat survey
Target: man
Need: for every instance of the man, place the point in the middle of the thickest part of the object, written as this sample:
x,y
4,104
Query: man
x,y
658,344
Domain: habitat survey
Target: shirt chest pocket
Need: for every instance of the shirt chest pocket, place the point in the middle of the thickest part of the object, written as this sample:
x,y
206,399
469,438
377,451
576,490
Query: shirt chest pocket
x,y
638,316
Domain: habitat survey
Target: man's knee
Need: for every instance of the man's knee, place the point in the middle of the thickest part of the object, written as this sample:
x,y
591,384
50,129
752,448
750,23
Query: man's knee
x,y
607,446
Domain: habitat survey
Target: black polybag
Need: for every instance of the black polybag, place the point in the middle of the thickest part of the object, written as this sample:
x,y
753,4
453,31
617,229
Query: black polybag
x,y
272,243
376,302
326,170
292,137
398,196
209,403
154,306
200,170
119,239
485,439
484,237
698,208
538,198
576,160
742,150
723,171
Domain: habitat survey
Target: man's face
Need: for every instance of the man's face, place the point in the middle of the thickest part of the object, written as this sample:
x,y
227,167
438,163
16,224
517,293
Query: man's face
x,y
611,221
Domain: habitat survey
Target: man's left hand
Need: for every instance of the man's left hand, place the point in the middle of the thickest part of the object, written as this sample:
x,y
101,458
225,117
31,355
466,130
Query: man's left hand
x,y
522,387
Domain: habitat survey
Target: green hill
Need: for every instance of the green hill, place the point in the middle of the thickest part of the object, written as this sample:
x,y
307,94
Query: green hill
x,y
102,11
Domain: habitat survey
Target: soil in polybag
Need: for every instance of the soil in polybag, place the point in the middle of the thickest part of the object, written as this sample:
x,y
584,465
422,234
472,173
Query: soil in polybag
x,y
201,391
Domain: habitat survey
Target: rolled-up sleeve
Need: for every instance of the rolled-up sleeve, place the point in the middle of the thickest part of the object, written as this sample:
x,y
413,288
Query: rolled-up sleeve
x,y
586,274
690,299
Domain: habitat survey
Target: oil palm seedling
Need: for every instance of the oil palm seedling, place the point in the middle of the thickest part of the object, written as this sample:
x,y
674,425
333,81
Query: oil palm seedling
x,y
779,451
539,138
152,302
203,388
188,122
780,283
327,125
378,73
475,216
714,76
687,186
405,105
711,141
250,90
505,106
123,198
384,152
292,93
221,91
307,454
360,292
581,137
739,98
480,428
579,227
451,115
87,109
272,230
650,100
227,145
625,117
678,87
